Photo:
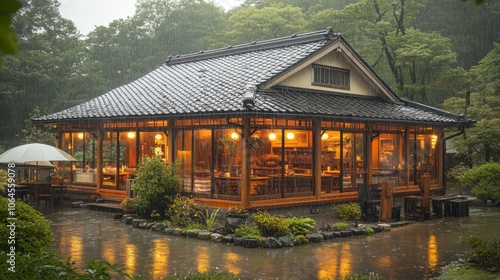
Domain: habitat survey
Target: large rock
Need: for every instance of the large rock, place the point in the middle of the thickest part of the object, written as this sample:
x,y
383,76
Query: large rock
x,y
315,237
158,227
204,234
286,241
346,233
137,222
272,243
328,235
169,230
216,237
193,232
178,232
250,243
228,239
358,231
238,241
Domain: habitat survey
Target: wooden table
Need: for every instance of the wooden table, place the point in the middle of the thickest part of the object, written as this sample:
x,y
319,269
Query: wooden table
x,y
232,185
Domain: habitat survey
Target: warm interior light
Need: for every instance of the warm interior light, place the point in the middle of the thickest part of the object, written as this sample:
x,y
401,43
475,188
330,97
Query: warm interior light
x,y
290,135
234,136
80,135
272,136
434,141
324,136
158,136
131,135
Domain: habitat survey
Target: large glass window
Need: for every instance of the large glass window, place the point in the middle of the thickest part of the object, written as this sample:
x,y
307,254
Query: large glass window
x,y
423,157
388,158
184,147
202,163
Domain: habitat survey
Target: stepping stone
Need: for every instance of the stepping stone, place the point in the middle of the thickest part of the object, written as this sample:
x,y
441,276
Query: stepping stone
x,y
205,235
216,237
315,237
386,227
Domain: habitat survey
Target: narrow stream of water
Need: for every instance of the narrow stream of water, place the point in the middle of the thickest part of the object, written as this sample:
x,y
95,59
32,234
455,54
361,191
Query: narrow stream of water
x,y
415,251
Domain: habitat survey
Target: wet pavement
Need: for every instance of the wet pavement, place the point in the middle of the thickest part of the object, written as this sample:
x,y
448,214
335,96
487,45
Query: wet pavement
x,y
415,251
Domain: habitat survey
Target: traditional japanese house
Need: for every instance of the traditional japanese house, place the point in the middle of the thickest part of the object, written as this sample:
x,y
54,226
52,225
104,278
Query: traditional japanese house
x,y
299,120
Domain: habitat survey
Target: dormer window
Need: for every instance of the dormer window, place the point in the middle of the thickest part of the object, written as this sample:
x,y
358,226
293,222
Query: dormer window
x,y
330,77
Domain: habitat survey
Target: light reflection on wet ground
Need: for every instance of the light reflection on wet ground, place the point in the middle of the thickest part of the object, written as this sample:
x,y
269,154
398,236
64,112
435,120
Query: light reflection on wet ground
x,y
416,251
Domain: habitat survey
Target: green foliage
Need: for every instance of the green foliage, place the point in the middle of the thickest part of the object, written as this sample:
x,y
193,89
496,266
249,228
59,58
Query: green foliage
x,y
484,254
32,229
182,211
3,180
8,38
156,183
300,239
210,218
300,226
37,134
339,226
203,276
369,231
46,264
271,225
484,181
347,212
246,230
456,174
454,272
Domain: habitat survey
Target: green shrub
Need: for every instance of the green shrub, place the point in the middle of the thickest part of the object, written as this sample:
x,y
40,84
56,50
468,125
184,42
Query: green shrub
x,y
32,230
156,183
46,264
210,218
271,225
246,230
203,276
183,211
300,239
484,181
300,226
369,230
339,226
350,211
484,254
3,180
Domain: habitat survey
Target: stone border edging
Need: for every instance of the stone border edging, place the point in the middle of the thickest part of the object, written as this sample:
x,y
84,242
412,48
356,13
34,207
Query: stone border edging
x,y
271,242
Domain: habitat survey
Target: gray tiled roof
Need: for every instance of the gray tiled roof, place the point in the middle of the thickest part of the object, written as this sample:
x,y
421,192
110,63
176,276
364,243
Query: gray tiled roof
x,y
215,82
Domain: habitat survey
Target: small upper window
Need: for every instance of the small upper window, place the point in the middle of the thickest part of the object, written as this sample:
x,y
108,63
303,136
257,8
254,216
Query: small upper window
x,y
331,77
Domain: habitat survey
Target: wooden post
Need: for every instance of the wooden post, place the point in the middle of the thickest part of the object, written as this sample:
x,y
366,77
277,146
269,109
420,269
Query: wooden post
x,y
317,159
245,165
426,195
386,200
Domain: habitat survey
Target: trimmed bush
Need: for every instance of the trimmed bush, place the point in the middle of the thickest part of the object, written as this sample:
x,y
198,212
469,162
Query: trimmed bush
x,y
156,183
31,227
347,212
484,181
271,225
484,254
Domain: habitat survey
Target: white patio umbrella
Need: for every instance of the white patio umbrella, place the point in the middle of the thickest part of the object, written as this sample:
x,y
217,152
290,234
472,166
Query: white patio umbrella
x,y
35,152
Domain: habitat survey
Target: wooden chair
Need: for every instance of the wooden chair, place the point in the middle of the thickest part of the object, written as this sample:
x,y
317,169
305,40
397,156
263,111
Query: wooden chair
x,y
44,192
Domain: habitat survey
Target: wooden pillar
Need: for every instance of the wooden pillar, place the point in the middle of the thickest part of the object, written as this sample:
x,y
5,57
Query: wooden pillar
x,y
407,156
170,142
426,195
386,200
245,165
317,158
368,156
100,137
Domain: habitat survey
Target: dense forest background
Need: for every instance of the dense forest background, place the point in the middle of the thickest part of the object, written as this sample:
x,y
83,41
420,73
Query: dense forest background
x,y
435,52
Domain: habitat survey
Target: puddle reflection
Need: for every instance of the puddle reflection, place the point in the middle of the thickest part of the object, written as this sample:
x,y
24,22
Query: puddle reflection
x,y
410,250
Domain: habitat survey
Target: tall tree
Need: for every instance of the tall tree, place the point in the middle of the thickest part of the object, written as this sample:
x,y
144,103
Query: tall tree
x,y
253,24
480,143
49,52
